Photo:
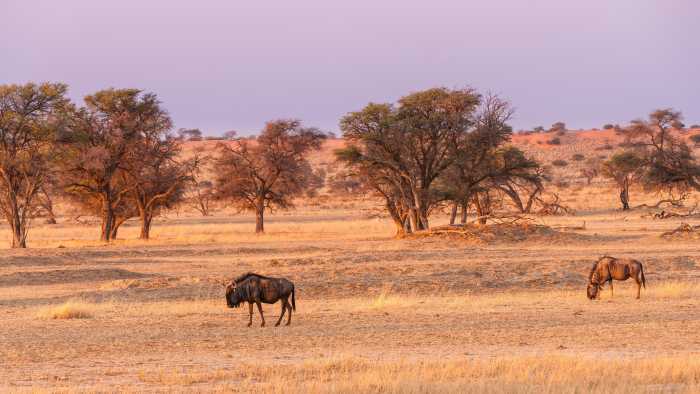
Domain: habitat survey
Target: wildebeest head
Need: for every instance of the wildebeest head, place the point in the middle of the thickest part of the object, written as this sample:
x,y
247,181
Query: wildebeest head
x,y
592,290
233,296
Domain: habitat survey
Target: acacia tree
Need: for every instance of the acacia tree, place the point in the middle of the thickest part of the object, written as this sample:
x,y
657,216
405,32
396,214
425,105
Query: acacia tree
x,y
269,171
624,168
28,121
413,143
668,160
364,175
159,179
478,159
101,147
665,163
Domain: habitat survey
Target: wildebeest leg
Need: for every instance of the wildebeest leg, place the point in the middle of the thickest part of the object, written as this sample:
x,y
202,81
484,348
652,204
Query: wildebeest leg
x,y
639,285
611,288
250,313
289,313
284,308
261,314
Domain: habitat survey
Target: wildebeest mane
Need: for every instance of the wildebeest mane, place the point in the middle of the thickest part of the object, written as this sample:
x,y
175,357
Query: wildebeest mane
x,y
593,271
248,275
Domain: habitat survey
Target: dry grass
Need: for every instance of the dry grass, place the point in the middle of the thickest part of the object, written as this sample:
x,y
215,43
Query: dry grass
x,y
374,314
73,309
541,374
674,289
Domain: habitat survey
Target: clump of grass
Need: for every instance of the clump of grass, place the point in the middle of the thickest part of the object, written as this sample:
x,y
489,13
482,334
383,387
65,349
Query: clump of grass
x,y
385,298
68,310
674,290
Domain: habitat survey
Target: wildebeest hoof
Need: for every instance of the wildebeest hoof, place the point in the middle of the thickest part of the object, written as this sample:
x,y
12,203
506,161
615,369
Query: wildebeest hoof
x,y
277,325
250,324
262,325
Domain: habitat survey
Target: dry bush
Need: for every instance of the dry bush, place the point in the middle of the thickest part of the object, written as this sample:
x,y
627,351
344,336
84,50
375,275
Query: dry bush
x,y
71,309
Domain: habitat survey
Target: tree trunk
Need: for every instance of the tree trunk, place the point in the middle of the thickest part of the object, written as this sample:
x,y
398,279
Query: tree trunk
x,y
514,197
146,219
19,237
396,217
480,209
116,223
107,222
412,219
625,196
465,206
424,224
531,199
453,214
260,217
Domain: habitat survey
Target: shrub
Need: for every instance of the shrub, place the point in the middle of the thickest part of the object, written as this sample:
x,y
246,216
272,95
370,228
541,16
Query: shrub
x,y
695,138
578,157
695,126
67,310
608,126
604,147
560,163
554,141
558,126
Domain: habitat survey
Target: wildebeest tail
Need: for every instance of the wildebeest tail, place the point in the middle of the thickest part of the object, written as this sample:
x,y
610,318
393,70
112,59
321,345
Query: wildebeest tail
x,y
644,281
294,304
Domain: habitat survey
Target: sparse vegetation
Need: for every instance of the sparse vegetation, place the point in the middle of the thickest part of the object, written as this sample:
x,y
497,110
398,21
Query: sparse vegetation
x,y
624,168
269,173
558,127
439,289
68,310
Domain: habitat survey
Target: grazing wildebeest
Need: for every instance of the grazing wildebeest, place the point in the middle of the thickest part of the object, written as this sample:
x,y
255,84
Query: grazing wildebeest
x,y
254,289
608,268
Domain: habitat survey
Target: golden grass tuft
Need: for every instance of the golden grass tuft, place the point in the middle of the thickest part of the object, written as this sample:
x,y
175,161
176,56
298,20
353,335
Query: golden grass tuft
x,y
386,299
72,309
674,289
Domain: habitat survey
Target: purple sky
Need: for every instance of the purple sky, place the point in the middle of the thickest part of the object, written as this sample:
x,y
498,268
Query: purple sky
x,y
233,64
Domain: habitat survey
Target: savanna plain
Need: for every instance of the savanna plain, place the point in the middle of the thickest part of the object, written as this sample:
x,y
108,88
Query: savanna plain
x,y
374,313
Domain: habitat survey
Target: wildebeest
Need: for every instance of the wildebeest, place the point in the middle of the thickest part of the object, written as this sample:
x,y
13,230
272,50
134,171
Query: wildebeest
x,y
254,289
608,268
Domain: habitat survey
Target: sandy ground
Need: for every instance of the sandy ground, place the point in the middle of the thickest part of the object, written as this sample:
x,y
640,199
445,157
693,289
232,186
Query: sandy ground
x,y
158,312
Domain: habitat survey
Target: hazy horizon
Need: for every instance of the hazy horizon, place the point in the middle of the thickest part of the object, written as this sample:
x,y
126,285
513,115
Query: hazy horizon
x,y
223,65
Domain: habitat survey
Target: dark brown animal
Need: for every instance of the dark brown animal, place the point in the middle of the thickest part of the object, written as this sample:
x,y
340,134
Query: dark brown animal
x,y
256,289
608,268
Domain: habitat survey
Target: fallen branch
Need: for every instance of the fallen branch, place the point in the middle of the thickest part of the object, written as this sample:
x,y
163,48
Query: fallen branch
x,y
684,228
499,219
569,228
